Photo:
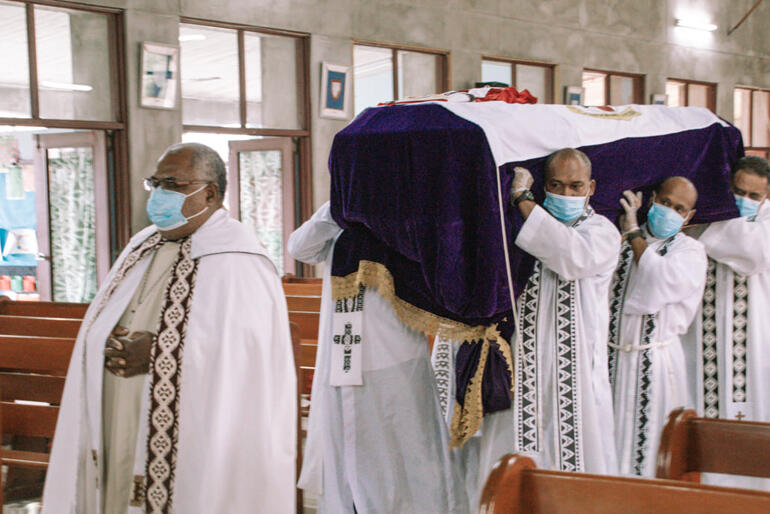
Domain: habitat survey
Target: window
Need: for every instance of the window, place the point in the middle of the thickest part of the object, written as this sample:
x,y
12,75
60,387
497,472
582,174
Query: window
x,y
534,76
63,170
383,73
688,93
752,116
245,94
612,88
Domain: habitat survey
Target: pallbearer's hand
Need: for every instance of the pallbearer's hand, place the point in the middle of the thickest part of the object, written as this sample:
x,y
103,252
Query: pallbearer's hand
x,y
631,204
128,355
522,180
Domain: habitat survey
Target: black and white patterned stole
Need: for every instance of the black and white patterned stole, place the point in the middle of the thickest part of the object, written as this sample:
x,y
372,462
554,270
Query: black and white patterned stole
x,y
443,368
166,383
643,381
709,350
740,336
346,368
527,381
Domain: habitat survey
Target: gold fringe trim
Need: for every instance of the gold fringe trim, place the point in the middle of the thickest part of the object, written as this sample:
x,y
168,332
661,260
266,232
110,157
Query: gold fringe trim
x,y
375,275
466,420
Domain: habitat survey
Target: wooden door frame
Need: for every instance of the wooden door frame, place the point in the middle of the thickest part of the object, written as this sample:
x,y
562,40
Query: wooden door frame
x,y
285,145
96,140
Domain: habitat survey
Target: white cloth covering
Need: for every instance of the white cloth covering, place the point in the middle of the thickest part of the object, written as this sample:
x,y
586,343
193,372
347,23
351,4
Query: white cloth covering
x,y
738,246
664,288
237,427
381,446
562,412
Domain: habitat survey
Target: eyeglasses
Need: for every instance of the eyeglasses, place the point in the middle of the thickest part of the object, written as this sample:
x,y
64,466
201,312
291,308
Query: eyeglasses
x,y
151,183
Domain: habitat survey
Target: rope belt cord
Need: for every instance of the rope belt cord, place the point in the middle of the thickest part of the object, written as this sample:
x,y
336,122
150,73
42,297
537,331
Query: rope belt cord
x,y
637,348
505,248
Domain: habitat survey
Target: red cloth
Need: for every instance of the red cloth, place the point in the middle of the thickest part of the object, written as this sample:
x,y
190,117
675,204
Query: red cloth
x,y
509,95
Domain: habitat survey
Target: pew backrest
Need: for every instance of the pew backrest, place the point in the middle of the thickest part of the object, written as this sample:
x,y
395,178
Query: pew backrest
x,y
690,445
516,486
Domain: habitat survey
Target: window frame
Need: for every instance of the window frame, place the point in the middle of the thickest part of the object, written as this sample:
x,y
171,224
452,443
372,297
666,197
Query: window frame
x,y
712,97
750,146
541,64
119,181
442,73
303,163
638,83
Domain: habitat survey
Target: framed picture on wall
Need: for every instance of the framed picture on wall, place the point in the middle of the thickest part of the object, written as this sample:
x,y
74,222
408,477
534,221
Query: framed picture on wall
x,y
159,75
335,91
659,99
573,95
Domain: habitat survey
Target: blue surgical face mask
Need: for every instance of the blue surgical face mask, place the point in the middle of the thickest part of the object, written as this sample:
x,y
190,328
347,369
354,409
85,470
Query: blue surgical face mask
x,y
663,221
747,206
165,208
565,208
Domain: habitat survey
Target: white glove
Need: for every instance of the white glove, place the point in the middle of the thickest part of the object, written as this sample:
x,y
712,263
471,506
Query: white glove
x,y
522,180
631,204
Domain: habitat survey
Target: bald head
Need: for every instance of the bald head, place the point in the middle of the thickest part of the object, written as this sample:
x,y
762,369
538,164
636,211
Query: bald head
x,y
568,173
205,163
680,191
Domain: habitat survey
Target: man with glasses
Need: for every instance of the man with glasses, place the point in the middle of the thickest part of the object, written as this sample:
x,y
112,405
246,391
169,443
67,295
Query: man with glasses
x,y
181,393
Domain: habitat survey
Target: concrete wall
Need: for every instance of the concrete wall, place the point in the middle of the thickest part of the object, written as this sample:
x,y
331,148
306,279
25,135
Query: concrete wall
x,y
617,35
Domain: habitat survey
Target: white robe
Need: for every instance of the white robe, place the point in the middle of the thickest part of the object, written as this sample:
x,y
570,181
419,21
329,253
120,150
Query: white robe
x,y
238,405
562,412
381,446
738,382
657,299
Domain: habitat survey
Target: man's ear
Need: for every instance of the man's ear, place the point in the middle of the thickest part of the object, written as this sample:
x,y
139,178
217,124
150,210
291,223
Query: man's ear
x,y
591,187
689,217
212,193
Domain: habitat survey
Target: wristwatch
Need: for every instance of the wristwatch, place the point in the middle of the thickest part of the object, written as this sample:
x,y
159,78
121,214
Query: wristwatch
x,y
525,195
633,235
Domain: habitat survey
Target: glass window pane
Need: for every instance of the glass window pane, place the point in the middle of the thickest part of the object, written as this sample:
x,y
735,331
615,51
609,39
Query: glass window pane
x,y
621,90
14,73
73,64
536,79
760,126
272,85
372,76
698,95
261,196
417,74
73,223
593,82
209,70
741,113
495,71
676,93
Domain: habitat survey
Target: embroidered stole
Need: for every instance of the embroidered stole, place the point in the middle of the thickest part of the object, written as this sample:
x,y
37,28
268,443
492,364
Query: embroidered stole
x,y
346,363
165,361
643,395
739,338
443,369
566,374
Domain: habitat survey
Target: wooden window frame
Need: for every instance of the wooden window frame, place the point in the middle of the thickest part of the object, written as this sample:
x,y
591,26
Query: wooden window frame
x,y
541,64
303,165
750,146
442,72
119,210
712,97
638,83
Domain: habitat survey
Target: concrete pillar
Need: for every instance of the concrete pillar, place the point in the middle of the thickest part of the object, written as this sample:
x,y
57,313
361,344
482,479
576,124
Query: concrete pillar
x,y
90,66
280,103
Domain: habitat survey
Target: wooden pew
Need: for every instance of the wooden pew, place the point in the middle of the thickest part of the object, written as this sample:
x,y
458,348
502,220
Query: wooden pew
x,y
36,342
690,445
515,486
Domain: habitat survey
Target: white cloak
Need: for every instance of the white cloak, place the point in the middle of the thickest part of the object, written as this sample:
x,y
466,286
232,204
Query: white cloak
x,y
381,446
238,404
731,378
562,412
653,303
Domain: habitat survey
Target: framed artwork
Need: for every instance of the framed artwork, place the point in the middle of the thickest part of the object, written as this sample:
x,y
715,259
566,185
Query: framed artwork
x,y
335,91
159,75
659,99
573,95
